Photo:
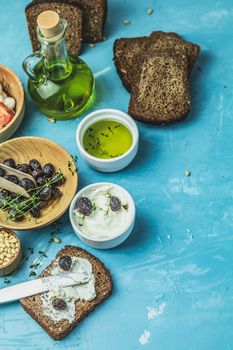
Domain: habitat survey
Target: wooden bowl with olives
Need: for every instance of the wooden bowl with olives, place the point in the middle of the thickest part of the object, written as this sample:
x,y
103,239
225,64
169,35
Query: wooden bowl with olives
x,y
12,86
54,184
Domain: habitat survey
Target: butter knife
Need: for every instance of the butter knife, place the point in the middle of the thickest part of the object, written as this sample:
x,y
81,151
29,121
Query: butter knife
x,y
40,285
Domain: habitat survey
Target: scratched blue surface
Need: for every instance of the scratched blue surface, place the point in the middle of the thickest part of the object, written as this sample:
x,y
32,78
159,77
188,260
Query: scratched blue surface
x,y
178,260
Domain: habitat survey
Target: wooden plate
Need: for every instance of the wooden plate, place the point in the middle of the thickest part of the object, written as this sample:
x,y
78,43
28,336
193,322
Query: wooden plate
x,y
23,149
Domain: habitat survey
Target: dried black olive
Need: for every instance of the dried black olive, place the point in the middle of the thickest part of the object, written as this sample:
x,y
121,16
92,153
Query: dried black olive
x,y
25,168
115,203
65,262
40,181
59,304
27,184
56,193
42,204
4,197
37,173
45,194
35,212
4,194
35,165
2,172
84,206
9,162
58,179
12,178
48,170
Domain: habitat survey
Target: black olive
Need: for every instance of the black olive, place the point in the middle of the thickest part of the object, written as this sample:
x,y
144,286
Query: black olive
x,y
59,304
15,215
56,193
48,170
58,179
2,172
42,204
4,197
37,173
4,194
115,203
84,206
12,178
45,194
35,212
40,181
27,184
9,162
25,168
35,165
65,262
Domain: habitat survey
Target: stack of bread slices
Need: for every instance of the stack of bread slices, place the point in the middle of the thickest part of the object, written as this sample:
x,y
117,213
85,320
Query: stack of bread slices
x,y
86,20
156,70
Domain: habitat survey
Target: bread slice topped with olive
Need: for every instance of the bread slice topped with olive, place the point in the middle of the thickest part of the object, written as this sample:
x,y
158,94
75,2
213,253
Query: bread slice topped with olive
x,y
60,310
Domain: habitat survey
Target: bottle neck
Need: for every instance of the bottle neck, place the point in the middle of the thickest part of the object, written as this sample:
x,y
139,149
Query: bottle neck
x,y
56,60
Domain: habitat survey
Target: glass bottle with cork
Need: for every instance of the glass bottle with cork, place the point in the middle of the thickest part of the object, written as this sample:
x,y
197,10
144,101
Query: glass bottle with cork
x,y
61,85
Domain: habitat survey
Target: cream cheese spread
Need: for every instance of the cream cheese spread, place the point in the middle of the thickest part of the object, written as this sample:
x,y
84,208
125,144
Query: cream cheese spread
x,y
85,291
103,223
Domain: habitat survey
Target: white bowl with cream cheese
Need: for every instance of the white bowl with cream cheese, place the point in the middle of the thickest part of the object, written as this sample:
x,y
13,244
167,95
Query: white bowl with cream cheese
x,y
103,228
117,163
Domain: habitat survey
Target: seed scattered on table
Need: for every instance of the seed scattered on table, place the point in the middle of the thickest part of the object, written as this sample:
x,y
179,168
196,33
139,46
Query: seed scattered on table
x,y
187,173
126,22
150,11
91,45
51,120
57,240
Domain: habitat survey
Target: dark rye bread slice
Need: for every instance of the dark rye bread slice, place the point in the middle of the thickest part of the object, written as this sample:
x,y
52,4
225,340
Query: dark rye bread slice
x,y
160,90
94,18
127,49
58,330
69,11
175,40
124,50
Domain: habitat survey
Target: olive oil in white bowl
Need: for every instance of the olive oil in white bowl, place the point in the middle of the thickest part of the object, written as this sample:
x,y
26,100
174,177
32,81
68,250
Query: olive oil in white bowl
x,y
108,139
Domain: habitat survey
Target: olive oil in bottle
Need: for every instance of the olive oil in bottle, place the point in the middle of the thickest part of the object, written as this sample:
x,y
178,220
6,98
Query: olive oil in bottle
x,y
61,85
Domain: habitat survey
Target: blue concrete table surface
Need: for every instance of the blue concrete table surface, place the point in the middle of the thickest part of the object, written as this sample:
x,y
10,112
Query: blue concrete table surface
x,y
173,278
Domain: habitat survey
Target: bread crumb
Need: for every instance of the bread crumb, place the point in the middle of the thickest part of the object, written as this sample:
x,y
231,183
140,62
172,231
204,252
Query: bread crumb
x,y
150,11
187,173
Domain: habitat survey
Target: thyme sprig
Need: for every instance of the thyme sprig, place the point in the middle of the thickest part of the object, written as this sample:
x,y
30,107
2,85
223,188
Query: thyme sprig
x,y
43,252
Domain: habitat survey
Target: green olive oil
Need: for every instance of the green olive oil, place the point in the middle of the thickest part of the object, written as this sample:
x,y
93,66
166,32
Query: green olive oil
x,y
107,139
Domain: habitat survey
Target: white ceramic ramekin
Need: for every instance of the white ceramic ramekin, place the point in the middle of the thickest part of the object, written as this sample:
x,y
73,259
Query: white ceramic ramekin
x,y
118,237
114,164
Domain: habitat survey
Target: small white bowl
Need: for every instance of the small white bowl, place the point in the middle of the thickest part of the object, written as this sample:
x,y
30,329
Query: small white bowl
x,y
113,164
117,238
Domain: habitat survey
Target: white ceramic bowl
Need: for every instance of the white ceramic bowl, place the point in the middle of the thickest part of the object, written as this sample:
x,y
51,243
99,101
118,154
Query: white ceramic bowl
x,y
114,164
118,237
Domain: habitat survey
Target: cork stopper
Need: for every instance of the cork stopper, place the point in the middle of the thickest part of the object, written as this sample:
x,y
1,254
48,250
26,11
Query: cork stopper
x,y
49,23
